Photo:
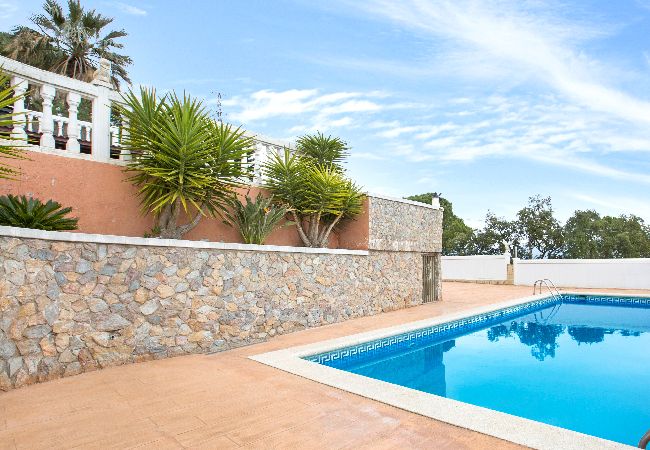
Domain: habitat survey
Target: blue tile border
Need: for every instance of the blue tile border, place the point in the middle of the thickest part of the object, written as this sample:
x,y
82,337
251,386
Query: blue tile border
x,y
393,344
612,300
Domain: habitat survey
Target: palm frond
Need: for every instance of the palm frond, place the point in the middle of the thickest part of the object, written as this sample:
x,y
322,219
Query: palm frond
x,y
181,158
9,147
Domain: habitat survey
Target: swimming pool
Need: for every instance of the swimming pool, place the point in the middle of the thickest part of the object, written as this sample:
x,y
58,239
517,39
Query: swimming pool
x,y
580,363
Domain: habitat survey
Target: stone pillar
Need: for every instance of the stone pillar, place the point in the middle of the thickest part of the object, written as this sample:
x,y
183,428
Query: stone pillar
x,y
47,123
101,132
20,87
72,145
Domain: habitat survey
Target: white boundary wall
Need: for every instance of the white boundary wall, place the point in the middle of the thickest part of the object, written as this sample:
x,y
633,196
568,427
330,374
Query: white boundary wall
x,y
629,273
477,267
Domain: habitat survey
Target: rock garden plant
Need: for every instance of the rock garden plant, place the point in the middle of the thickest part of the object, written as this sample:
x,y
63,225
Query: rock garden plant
x,y
255,219
27,212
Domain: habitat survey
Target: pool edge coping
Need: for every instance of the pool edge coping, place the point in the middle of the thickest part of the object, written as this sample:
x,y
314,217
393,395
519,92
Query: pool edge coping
x,y
501,425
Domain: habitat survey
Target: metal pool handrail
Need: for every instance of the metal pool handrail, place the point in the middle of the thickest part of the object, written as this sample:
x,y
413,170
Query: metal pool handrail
x,y
645,440
545,282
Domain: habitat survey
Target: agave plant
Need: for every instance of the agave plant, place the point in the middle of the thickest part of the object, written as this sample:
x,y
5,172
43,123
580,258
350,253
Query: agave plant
x,y
255,219
27,212
8,149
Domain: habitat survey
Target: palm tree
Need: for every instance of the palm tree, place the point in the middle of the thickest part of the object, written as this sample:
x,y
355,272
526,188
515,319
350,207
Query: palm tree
x,y
312,184
69,44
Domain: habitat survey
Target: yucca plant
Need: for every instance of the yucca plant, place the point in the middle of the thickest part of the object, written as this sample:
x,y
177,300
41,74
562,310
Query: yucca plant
x,y
8,147
312,183
182,160
27,212
255,219
323,150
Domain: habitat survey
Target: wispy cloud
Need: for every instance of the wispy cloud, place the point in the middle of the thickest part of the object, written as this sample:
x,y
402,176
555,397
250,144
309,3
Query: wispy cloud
x,y
542,128
514,38
375,65
310,109
616,204
130,9
7,9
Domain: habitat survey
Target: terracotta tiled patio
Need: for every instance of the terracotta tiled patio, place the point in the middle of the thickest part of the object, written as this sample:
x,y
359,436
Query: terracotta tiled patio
x,y
225,400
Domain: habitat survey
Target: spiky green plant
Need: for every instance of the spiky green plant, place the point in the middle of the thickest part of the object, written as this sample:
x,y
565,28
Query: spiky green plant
x,y
323,150
69,43
182,161
27,212
9,148
316,190
256,219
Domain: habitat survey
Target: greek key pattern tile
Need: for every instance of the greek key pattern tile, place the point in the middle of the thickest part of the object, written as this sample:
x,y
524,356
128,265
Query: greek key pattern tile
x,y
392,344
642,302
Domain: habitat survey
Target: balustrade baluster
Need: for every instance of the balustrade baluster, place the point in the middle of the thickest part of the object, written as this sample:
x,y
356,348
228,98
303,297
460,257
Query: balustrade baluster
x,y
125,155
73,99
20,87
46,122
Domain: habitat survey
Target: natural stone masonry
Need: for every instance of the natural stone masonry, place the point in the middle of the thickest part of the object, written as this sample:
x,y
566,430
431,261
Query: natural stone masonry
x,y
69,307
404,226
73,302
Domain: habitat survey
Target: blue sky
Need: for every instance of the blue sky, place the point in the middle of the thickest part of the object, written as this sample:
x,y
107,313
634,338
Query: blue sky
x,y
486,102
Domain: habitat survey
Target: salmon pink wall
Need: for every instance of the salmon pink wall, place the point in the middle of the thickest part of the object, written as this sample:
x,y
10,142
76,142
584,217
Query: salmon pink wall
x,y
106,204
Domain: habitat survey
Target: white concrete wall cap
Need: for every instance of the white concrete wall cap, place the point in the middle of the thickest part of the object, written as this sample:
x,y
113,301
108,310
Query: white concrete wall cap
x,y
27,233
403,200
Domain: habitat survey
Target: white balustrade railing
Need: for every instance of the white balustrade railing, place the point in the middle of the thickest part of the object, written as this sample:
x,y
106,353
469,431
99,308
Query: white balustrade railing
x,y
77,136
50,129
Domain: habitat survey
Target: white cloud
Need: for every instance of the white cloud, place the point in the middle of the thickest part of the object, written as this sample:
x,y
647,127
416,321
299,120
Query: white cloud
x,y
130,9
578,120
266,104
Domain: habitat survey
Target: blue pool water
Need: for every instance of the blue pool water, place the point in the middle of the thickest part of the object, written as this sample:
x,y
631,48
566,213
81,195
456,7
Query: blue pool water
x,y
582,363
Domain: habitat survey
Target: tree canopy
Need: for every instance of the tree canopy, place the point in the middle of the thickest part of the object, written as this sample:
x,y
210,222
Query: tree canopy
x,y
535,232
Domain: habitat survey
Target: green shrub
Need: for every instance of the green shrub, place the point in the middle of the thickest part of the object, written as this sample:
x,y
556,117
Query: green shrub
x,y
255,219
27,212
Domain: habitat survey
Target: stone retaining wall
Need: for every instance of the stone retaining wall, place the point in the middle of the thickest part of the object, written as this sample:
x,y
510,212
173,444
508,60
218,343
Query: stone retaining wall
x,y
68,307
404,226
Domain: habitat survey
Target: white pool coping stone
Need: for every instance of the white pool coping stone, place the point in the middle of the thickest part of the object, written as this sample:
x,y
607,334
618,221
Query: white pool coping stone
x,y
27,233
501,425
